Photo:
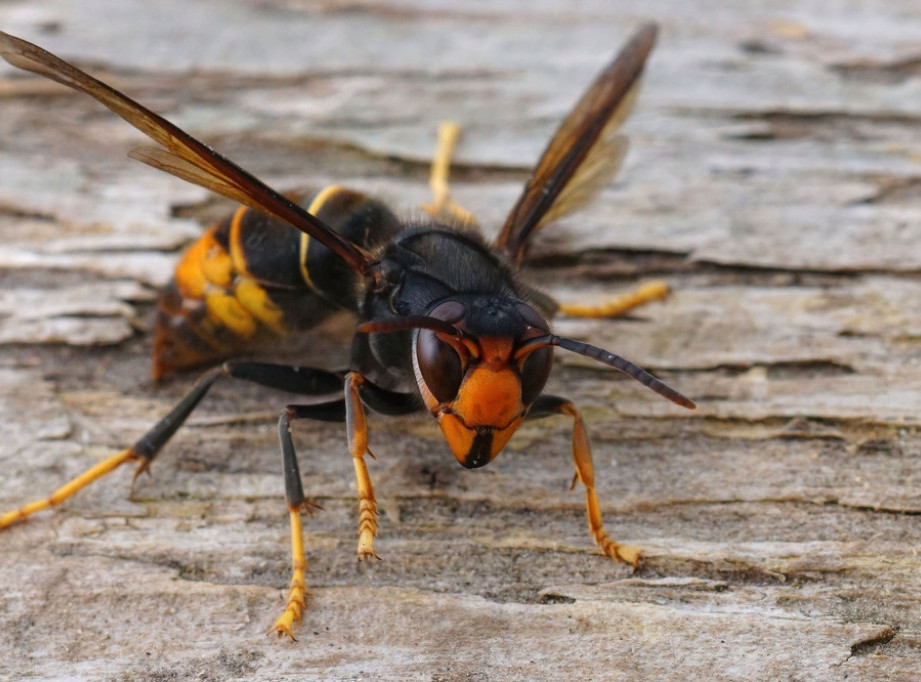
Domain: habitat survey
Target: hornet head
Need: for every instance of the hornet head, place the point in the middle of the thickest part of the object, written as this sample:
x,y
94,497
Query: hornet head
x,y
481,361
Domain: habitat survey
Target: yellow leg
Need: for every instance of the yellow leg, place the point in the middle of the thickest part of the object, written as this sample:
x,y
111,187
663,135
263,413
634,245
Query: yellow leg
x,y
585,472
143,450
651,291
297,591
357,427
442,207
69,488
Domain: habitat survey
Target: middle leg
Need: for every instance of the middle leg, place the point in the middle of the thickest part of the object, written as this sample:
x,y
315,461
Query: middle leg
x,y
618,305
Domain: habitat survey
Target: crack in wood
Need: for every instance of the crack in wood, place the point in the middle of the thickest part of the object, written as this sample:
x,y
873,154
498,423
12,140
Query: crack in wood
x,y
873,644
892,71
893,190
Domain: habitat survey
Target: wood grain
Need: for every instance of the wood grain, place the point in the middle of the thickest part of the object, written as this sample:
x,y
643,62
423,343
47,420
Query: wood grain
x,y
774,180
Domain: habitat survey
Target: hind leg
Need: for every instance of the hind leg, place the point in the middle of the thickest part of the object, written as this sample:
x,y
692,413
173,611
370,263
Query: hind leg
x,y
443,207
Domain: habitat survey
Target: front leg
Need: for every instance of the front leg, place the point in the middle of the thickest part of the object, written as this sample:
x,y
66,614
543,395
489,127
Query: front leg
x,y
585,472
357,427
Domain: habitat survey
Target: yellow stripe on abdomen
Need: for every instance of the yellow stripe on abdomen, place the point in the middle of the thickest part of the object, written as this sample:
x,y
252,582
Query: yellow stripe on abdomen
x,y
226,310
314,208
253,297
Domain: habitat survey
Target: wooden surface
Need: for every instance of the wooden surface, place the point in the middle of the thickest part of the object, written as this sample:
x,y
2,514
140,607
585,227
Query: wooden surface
x,y
774,180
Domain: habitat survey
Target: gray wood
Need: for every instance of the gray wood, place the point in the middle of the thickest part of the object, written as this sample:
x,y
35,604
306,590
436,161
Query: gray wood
x,y
773,180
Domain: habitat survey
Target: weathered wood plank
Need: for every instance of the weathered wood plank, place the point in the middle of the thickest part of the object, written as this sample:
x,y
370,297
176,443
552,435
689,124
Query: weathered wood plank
x,y
773,179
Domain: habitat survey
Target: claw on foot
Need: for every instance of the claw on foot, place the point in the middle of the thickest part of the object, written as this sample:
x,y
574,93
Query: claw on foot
x,y
297,589
366,544
142,468
618,552
366,553
297,602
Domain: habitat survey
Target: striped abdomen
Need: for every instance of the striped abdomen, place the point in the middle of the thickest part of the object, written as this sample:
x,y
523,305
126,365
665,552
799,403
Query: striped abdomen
x,y
251,279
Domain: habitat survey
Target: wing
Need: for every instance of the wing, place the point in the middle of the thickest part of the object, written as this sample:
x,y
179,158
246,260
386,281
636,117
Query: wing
x,y
585,152
181,154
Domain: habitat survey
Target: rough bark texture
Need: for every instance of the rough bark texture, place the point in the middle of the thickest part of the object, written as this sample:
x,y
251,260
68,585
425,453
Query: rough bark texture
x,y
774,180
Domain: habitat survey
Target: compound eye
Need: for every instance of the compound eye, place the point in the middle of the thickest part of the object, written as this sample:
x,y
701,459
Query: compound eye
x,y
536,366
532,317
534,373
440,366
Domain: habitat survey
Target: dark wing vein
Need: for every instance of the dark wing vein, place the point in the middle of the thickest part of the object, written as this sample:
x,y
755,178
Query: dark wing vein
x,y
183,156
585,152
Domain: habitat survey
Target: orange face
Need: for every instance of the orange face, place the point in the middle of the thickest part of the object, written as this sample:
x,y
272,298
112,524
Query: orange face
x,y
478,388
487,406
